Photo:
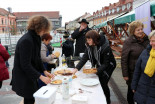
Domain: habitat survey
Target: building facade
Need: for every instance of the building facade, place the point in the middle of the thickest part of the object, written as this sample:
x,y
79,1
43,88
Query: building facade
x,y
7,22
22,19
113,10
90,19
72,25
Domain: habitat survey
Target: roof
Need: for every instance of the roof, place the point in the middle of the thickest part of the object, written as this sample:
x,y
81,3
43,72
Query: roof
x,y
3,12
83,16
26,15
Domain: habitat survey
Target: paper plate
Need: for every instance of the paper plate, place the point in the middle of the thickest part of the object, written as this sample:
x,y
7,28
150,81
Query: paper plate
x,y
90,82
56,82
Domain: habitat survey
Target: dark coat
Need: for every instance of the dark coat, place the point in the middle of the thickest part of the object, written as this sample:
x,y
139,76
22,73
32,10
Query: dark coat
x,y
67,48
80,40
4,56
27,65
142,83
132,48
105,58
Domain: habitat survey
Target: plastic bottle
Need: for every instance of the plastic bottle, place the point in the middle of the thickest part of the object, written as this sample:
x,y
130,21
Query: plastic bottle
x,y
65,88
63,60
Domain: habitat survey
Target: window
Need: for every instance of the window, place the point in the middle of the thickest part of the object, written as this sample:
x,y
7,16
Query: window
x,y
109,11
56,23
105,13
128,5
3,30
113,10
102,14
118,9
98,14
2,21
5,21
123,7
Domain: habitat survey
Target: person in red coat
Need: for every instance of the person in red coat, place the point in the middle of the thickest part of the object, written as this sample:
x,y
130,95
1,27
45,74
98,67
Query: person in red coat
x,y
4,56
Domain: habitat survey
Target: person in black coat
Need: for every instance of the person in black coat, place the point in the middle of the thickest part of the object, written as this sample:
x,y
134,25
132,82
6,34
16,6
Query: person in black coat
x,y
79,35
100,54
28,66
67,46
143,82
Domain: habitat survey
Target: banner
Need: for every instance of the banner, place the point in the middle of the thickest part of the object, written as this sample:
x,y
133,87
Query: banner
x,y
142,13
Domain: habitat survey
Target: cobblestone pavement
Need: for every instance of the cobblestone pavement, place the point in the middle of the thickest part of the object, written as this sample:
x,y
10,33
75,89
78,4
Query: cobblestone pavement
x,y
7,96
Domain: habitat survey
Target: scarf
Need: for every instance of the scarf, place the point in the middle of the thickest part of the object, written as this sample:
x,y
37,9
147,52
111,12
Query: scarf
x,y
140,39
150,69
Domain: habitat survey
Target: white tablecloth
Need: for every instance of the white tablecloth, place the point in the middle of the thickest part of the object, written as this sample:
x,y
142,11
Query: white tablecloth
x,y
96,97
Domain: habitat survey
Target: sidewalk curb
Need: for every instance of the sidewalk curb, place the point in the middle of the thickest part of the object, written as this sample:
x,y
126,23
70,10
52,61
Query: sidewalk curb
x,y
117,91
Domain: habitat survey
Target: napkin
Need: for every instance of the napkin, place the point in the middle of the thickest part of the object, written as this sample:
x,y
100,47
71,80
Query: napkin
x,y
79,99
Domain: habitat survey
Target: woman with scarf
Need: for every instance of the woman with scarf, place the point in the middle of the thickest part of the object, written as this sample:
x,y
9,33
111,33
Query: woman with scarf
x,y
132,48
143,83
100,54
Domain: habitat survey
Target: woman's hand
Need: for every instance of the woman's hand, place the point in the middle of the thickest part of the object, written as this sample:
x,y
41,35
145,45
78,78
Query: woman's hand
x,y
46,80
53,56
133,91
47,74
126,78
75,70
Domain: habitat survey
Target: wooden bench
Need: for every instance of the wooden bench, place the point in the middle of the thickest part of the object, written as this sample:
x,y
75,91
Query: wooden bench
x,y
114,41
117,49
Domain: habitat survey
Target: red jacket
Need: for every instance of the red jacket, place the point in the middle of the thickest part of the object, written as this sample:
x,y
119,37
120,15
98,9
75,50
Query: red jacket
x,y
4,56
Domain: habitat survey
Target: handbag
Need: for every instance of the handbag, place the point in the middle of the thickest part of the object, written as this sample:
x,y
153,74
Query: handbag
x,y
4,74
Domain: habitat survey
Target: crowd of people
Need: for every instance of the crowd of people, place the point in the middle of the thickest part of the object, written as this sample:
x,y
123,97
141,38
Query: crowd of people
x,y
33,52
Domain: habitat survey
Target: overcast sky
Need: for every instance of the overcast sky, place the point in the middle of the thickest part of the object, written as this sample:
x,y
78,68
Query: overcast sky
x,y
69,9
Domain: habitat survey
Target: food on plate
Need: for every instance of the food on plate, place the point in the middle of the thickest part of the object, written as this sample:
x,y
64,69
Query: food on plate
x,y
90,71
63,72
57,54
56,81
74,76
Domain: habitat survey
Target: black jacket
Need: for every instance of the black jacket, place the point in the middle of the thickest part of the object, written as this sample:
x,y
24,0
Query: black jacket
x,y
27,65
142,83
67,48
80,40
105,63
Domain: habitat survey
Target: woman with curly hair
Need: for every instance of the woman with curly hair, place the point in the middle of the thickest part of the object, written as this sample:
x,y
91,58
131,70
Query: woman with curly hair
x,y
27,62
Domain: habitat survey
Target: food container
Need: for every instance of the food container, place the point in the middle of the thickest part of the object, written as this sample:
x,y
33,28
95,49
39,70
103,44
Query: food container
x,y
45,95
65,88
71,60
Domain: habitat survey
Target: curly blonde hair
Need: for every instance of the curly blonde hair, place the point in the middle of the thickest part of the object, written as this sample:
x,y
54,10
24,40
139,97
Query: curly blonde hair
x,y
133,25
38,24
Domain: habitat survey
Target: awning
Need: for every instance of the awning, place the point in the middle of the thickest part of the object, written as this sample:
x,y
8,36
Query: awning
x,y
105,22
129,17
152,8
101,24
